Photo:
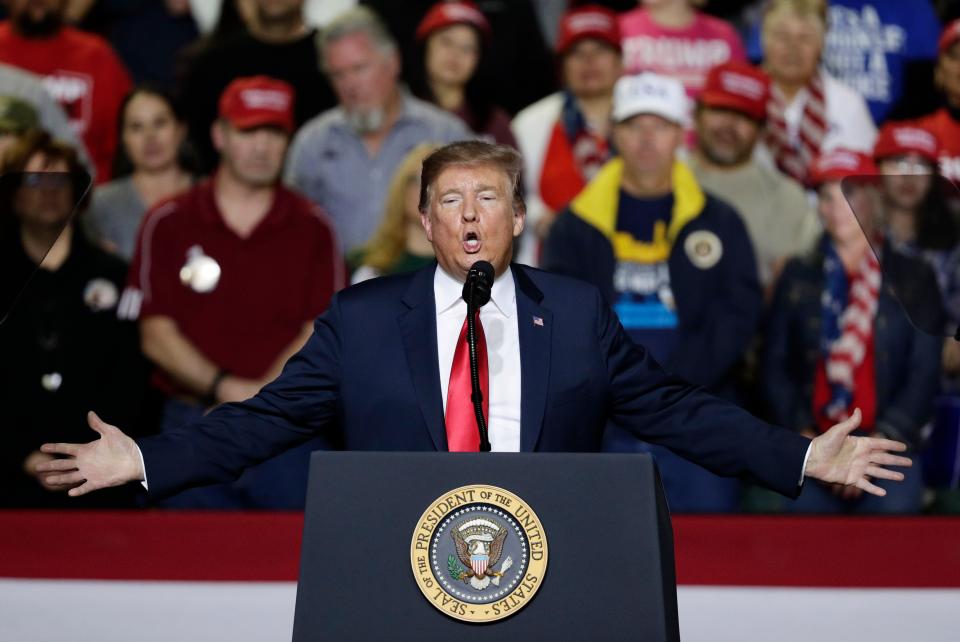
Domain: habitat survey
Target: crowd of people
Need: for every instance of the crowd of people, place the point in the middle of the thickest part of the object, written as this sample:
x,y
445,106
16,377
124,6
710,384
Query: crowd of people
x,y
763,197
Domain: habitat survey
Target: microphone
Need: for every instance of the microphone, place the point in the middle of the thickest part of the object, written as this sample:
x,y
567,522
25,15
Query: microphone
x,y
476,289
476,292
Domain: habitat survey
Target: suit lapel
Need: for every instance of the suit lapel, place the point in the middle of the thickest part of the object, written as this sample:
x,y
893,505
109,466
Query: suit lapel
x,y
535,325
418,327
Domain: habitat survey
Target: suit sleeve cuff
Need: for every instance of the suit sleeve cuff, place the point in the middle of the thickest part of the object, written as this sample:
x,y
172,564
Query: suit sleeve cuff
x,y
143,467
803,471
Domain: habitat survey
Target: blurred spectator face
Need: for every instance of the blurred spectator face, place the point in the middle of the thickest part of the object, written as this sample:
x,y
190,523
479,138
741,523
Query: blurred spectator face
x,y
253,157
411,196
837,214
364,78
591,68
791,47
726,137
37,17
906,180
45,199
471,218
647,144
151,134
278,13
948,73
452,55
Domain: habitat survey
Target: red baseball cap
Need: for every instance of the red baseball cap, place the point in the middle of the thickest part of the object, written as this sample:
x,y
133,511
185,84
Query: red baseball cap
x,y
840,163
258,101
896,139
445,14
951,33
588,21
737,86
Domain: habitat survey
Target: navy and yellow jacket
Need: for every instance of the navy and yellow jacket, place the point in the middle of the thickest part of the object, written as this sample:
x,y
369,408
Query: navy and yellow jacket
x,y
718,308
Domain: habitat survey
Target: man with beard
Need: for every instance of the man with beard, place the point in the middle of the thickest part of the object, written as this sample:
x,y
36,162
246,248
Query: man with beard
x,y
79,70
729,120
344,158
277,43
225,281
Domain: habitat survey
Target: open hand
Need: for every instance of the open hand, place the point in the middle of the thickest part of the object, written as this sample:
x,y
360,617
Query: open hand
x,y
838,458
112,460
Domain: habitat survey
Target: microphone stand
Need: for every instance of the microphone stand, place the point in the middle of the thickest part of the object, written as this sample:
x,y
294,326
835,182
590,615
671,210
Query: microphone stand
x,y
476,395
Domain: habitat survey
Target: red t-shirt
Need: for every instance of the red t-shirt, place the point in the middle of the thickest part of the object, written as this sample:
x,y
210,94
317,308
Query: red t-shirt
x,y
947,131
270,283
84,75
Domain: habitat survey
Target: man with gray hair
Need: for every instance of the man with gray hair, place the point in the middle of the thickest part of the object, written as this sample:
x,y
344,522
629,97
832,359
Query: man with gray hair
x,y
344,158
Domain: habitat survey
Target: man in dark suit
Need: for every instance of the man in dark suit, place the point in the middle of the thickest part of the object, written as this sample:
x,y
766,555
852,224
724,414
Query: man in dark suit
x,y
386,369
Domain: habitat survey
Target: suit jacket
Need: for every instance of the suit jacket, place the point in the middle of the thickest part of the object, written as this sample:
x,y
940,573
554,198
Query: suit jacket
x,y
368,378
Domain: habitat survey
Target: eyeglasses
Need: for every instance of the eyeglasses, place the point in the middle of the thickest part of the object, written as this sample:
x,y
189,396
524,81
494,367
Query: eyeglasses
x,y
48,180
906,167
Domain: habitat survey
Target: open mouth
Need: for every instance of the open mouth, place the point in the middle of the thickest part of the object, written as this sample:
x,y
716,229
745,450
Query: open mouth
x,y
471,243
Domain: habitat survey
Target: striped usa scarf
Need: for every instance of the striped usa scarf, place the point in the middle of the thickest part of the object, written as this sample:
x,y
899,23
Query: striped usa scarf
x,y
849,310
794,157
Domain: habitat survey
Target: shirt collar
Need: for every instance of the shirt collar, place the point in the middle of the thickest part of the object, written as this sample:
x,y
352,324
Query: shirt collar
x,y
448,292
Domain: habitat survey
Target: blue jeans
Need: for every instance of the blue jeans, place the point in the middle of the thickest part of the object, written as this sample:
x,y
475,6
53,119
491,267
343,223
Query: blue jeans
x,y
689,488
902,498
280,483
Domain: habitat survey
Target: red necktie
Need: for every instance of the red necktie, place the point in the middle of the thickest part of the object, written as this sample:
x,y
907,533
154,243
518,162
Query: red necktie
x,y
462,433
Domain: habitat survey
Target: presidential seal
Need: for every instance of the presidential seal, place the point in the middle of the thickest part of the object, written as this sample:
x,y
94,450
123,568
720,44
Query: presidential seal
x,y
479,553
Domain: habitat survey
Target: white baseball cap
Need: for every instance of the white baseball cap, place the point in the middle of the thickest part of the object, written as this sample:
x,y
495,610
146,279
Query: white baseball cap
x,y
650,93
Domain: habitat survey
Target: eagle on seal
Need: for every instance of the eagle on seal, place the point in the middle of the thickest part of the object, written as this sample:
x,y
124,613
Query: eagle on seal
x,y
479,544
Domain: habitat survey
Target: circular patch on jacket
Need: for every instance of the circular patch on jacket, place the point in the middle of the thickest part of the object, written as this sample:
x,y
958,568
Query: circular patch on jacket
x,y
703,248
479,553
100,295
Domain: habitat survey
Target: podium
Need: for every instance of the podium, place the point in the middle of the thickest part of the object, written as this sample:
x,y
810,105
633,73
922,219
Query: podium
x,y
609,573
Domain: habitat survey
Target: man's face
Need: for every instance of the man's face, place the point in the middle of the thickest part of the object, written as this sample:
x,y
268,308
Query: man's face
x,y
37,17
648,144
591,68
726,137
363,77
471,218
253,156
279,12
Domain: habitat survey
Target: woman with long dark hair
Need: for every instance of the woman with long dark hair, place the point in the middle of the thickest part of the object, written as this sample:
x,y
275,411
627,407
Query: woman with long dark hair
x,y
150,166
445,71
838,341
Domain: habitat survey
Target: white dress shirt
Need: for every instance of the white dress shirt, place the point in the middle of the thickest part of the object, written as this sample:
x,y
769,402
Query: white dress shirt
x,y
499,320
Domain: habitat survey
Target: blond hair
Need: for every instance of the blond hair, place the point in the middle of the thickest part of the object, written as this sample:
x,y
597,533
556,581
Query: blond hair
x,y
388,243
